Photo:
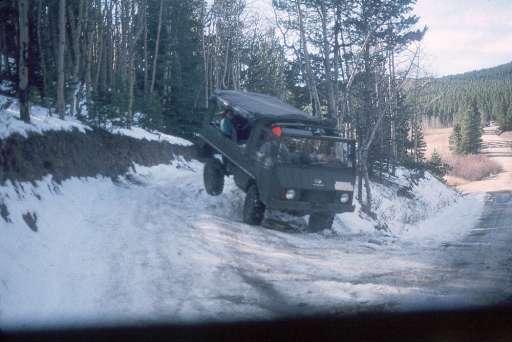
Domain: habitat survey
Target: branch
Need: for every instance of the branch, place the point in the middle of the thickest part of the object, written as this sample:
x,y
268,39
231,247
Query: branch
x,y
402,83
356,69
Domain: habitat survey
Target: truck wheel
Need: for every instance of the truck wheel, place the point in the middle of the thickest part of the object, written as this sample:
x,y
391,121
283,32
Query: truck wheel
x,y
204,150
213,176
320,221
254,209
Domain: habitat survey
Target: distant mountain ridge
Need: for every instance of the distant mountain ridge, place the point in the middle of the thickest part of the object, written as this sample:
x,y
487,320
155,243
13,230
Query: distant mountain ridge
x,y
499,72
445,98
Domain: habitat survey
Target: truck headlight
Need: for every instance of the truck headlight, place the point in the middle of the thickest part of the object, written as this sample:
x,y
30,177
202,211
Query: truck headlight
x,y
344,198
290,194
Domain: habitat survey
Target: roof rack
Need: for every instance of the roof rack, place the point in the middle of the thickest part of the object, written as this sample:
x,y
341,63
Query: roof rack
x,y
260,106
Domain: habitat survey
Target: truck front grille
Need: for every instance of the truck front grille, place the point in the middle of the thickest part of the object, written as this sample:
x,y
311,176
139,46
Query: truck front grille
x,y
319,196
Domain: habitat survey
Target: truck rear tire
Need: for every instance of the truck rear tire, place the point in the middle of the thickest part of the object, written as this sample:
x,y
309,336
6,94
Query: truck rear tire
x,y
254,209
320,221
213,176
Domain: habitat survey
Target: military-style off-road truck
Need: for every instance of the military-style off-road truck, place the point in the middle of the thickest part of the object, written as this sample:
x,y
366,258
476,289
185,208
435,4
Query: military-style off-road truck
x,y
283,158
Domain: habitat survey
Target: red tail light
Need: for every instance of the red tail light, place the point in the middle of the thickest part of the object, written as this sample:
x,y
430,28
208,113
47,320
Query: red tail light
x,y
277,131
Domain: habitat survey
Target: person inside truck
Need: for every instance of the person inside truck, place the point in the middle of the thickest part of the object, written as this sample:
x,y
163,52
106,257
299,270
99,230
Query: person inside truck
x,y
235,127
226,123
270,144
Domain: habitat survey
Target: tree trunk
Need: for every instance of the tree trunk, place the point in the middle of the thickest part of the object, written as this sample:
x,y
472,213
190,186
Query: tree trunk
x,y
42,58
310,80
337,67
89,49
101,56
332,102
205,56
23,8
130,74
146,56
2,44
60,59
76,32
157,46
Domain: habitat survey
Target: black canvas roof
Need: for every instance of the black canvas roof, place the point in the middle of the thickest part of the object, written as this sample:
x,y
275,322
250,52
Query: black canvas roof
x,y
255,105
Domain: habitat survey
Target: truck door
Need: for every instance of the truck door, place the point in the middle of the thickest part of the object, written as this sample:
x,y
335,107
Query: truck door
x,y
265,156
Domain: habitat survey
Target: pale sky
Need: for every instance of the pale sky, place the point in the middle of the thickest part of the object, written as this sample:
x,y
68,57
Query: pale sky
x,y
463,35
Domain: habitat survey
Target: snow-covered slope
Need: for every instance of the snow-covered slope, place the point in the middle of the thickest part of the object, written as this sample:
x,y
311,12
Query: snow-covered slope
x,y
154,246
425,211
41,122
140,133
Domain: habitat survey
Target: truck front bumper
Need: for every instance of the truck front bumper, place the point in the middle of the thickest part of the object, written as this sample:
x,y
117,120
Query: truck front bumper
x,y
307,208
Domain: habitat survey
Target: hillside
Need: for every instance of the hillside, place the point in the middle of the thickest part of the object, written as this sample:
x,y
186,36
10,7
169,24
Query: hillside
x,y
500,72
443,99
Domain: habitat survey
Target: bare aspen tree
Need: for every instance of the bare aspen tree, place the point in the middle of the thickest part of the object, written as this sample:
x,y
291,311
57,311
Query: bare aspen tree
x,y
23,8
76,24
42,59
99,45
146,56
332,100
60,59
157,46
206,77
224,44
310,79
89,46
137,29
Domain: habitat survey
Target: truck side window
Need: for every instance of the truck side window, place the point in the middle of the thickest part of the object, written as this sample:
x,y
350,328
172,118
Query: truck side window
x,y
267,146
224,123
216,119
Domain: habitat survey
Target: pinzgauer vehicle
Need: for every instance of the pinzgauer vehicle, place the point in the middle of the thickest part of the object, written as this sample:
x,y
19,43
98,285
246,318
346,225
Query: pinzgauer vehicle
x,y
283,158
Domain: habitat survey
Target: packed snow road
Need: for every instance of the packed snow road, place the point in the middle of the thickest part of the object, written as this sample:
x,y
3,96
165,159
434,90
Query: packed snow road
x,y
480,265
153,246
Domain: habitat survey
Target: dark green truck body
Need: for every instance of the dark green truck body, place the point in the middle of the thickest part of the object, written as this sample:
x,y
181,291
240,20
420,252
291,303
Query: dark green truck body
x,y
318,188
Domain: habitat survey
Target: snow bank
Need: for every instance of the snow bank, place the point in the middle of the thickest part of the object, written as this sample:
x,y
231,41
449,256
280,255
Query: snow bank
x,y
6,86
88,236
420,210
140,133
42,122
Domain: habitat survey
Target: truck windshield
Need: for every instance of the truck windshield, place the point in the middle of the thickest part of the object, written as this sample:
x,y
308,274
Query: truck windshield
x,y
314,151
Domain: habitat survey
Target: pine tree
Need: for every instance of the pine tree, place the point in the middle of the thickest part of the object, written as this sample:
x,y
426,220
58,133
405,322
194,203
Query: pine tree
x,y
467,135
504,115
419,144
471,130
437,166
455,139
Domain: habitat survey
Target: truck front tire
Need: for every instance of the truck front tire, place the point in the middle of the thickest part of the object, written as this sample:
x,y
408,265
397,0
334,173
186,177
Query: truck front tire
x,y
213,176
320,221
254,209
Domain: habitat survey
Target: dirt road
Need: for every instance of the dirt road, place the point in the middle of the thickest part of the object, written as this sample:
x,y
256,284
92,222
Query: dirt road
x,y
479,267
499,149
496,147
